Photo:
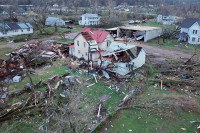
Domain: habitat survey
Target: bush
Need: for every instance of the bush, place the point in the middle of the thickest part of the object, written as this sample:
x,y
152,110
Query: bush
x,y
22,38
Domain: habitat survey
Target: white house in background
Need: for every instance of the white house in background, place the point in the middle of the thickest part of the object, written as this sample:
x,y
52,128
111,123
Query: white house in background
x,y
92,42
89,19
190,31
52,21
14,29
166,20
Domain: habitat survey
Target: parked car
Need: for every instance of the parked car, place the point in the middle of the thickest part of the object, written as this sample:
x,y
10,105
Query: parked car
x,y
131,22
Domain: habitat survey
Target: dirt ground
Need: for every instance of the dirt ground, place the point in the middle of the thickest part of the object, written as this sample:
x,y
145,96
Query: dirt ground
x,y
162,52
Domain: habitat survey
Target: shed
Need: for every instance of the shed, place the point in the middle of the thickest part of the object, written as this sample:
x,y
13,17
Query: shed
x,y
52,21
145,33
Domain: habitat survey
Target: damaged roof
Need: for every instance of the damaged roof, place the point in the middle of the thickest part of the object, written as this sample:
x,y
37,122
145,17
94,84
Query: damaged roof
x,y
116,47
98,35
140,28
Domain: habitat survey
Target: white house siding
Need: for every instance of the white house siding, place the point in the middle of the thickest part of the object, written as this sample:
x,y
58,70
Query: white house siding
x,y
16,32
184,30
83,50
193,37
89,20
151,34
108,41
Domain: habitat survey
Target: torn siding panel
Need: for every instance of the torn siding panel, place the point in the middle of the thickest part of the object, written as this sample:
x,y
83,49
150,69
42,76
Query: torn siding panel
x,y
140,59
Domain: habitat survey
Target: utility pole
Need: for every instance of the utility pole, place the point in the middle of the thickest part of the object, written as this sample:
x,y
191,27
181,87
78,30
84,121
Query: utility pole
x,y
88,56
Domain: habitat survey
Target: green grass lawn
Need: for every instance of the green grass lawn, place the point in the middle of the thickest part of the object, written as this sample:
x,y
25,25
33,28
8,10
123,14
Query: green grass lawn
x,y
42,75
93,94
68,41
140,121
4,51
3,42
152,23
150,120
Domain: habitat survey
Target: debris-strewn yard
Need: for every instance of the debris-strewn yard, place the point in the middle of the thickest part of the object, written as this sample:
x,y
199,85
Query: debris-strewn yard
x,y
60,95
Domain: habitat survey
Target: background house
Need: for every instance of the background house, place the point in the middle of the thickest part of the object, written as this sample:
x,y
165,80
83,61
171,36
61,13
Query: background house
x,y
167,20
14,29
89,19
52,21
92,42
190,31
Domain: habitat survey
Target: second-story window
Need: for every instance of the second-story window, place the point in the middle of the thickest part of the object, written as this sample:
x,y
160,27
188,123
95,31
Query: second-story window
x,y
84,44
77,43
194,31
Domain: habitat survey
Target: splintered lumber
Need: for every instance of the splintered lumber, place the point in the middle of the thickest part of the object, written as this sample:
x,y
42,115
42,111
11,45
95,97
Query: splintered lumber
x,y
95,77
90,85
98,115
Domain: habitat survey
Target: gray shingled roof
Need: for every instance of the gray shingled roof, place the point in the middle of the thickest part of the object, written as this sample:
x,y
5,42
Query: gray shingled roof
x,y
187,23
15,26
198,22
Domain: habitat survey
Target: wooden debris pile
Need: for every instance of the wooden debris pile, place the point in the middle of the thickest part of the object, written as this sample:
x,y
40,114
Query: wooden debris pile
x,y
186,75
32,55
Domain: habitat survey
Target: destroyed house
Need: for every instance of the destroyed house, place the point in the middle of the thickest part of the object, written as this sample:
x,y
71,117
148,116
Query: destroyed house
x,y
14,29
122,58
89,43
